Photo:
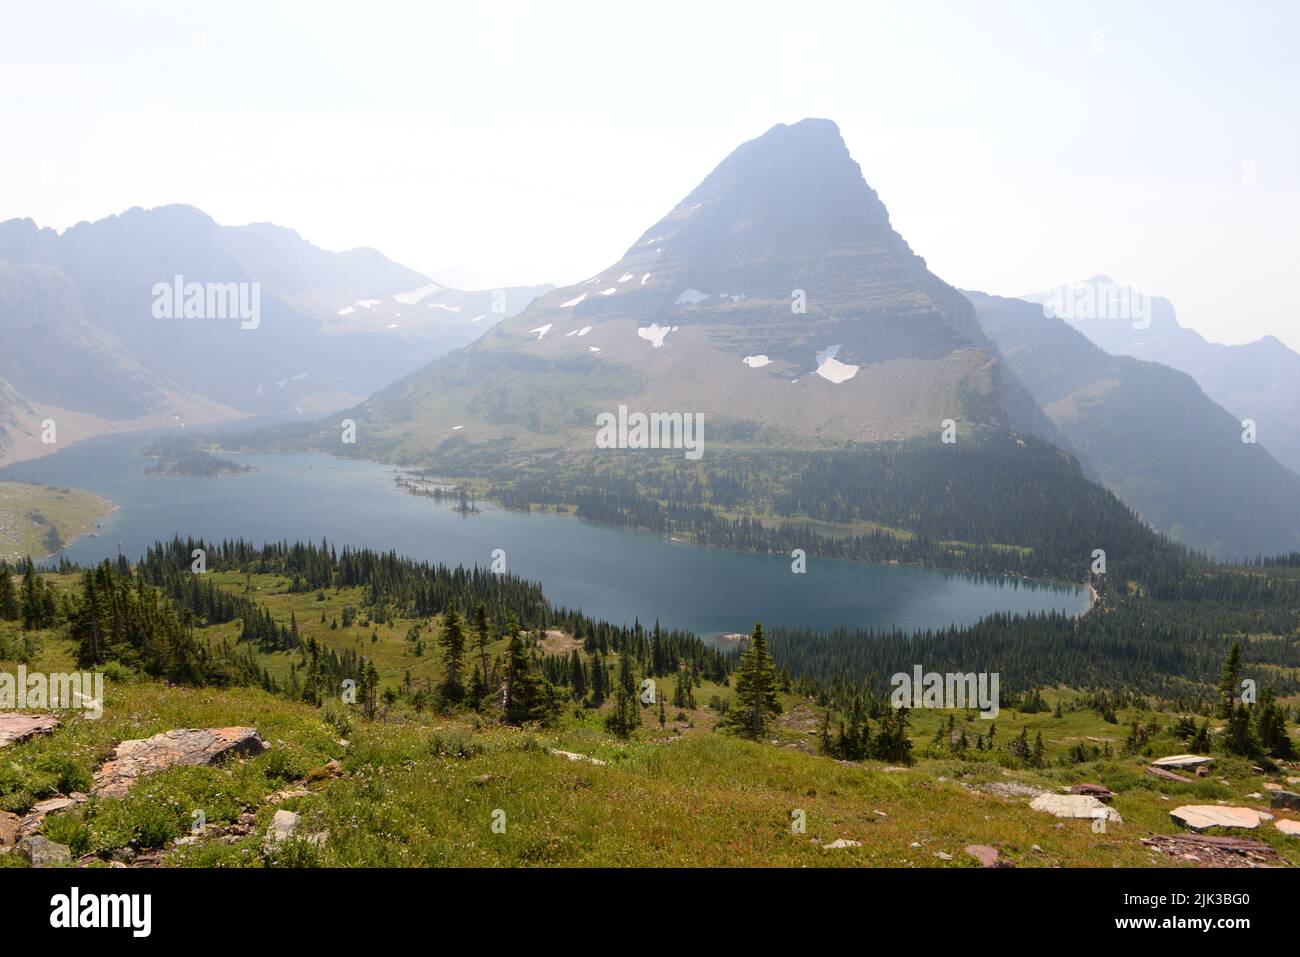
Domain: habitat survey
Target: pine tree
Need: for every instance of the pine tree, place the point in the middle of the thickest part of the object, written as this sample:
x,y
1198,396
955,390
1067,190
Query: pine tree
x,y
598,686
482,638
453,643
757,698
9,610
577,677
626,716
527,695
1230,682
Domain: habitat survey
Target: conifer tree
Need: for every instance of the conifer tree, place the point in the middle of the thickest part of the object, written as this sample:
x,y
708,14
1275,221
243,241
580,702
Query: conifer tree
x,y
528,695
757,698
452,639
9,610
1230,682
482,638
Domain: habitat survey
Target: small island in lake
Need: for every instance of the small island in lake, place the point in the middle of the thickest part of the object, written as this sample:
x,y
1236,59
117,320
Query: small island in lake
x,y
182,456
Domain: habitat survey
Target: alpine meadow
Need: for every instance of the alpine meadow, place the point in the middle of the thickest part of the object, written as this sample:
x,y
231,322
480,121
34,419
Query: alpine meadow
x,y
873,508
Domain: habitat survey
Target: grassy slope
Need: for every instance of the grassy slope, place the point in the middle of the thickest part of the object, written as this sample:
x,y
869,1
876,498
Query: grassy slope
x,y
71,512
421,789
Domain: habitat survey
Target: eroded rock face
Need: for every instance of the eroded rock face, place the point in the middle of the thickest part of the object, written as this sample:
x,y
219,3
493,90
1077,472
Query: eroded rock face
x,y
1075,805
16,727
1198,817
193,746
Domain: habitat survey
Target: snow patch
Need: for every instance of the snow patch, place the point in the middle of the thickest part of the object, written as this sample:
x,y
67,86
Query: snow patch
x,y
655,333
691,297
756,362
583,331
477,318
573,302
415,295
608,292
625,277
593,348
346,311
439,305
542,331
831,369
644,278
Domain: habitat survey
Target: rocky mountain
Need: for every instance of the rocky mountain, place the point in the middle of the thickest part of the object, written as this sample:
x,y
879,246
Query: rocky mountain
x,y
163,316
1151,435
1259,380
776,299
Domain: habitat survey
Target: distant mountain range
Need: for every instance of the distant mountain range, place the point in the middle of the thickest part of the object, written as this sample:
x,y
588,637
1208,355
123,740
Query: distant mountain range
x,y
776,300
1151,435
85,344
1259,380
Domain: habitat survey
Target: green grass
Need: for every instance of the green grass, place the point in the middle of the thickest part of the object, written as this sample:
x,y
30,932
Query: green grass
x,y
36,520
422,789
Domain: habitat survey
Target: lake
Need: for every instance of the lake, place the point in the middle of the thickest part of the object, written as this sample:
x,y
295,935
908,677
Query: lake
x,y
610,573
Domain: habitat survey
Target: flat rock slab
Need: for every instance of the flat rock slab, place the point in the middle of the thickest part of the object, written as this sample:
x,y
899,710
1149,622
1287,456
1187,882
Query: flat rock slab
x,y
1288,827
192,746
1075,805
842,842
15,727
987,856
1198,817
1182,761
1169,775
572,756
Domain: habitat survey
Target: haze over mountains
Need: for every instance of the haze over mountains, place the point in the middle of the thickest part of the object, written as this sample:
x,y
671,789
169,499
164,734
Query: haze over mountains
x,y
1259,380
85,347
776,300
697,317
1151,435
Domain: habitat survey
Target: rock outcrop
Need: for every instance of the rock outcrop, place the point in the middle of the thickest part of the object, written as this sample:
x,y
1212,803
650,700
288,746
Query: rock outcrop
x,y
15,727
194,746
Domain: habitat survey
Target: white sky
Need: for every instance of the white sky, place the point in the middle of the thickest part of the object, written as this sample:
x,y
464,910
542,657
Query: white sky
x,y
1017,145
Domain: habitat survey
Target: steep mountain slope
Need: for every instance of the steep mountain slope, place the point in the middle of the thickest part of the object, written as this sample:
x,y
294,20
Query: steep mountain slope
x,y
775,299
1259,380
82,335
1151,435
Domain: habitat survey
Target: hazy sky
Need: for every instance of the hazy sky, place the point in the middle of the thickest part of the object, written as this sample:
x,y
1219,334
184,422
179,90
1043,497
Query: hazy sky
x,y
1017,145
